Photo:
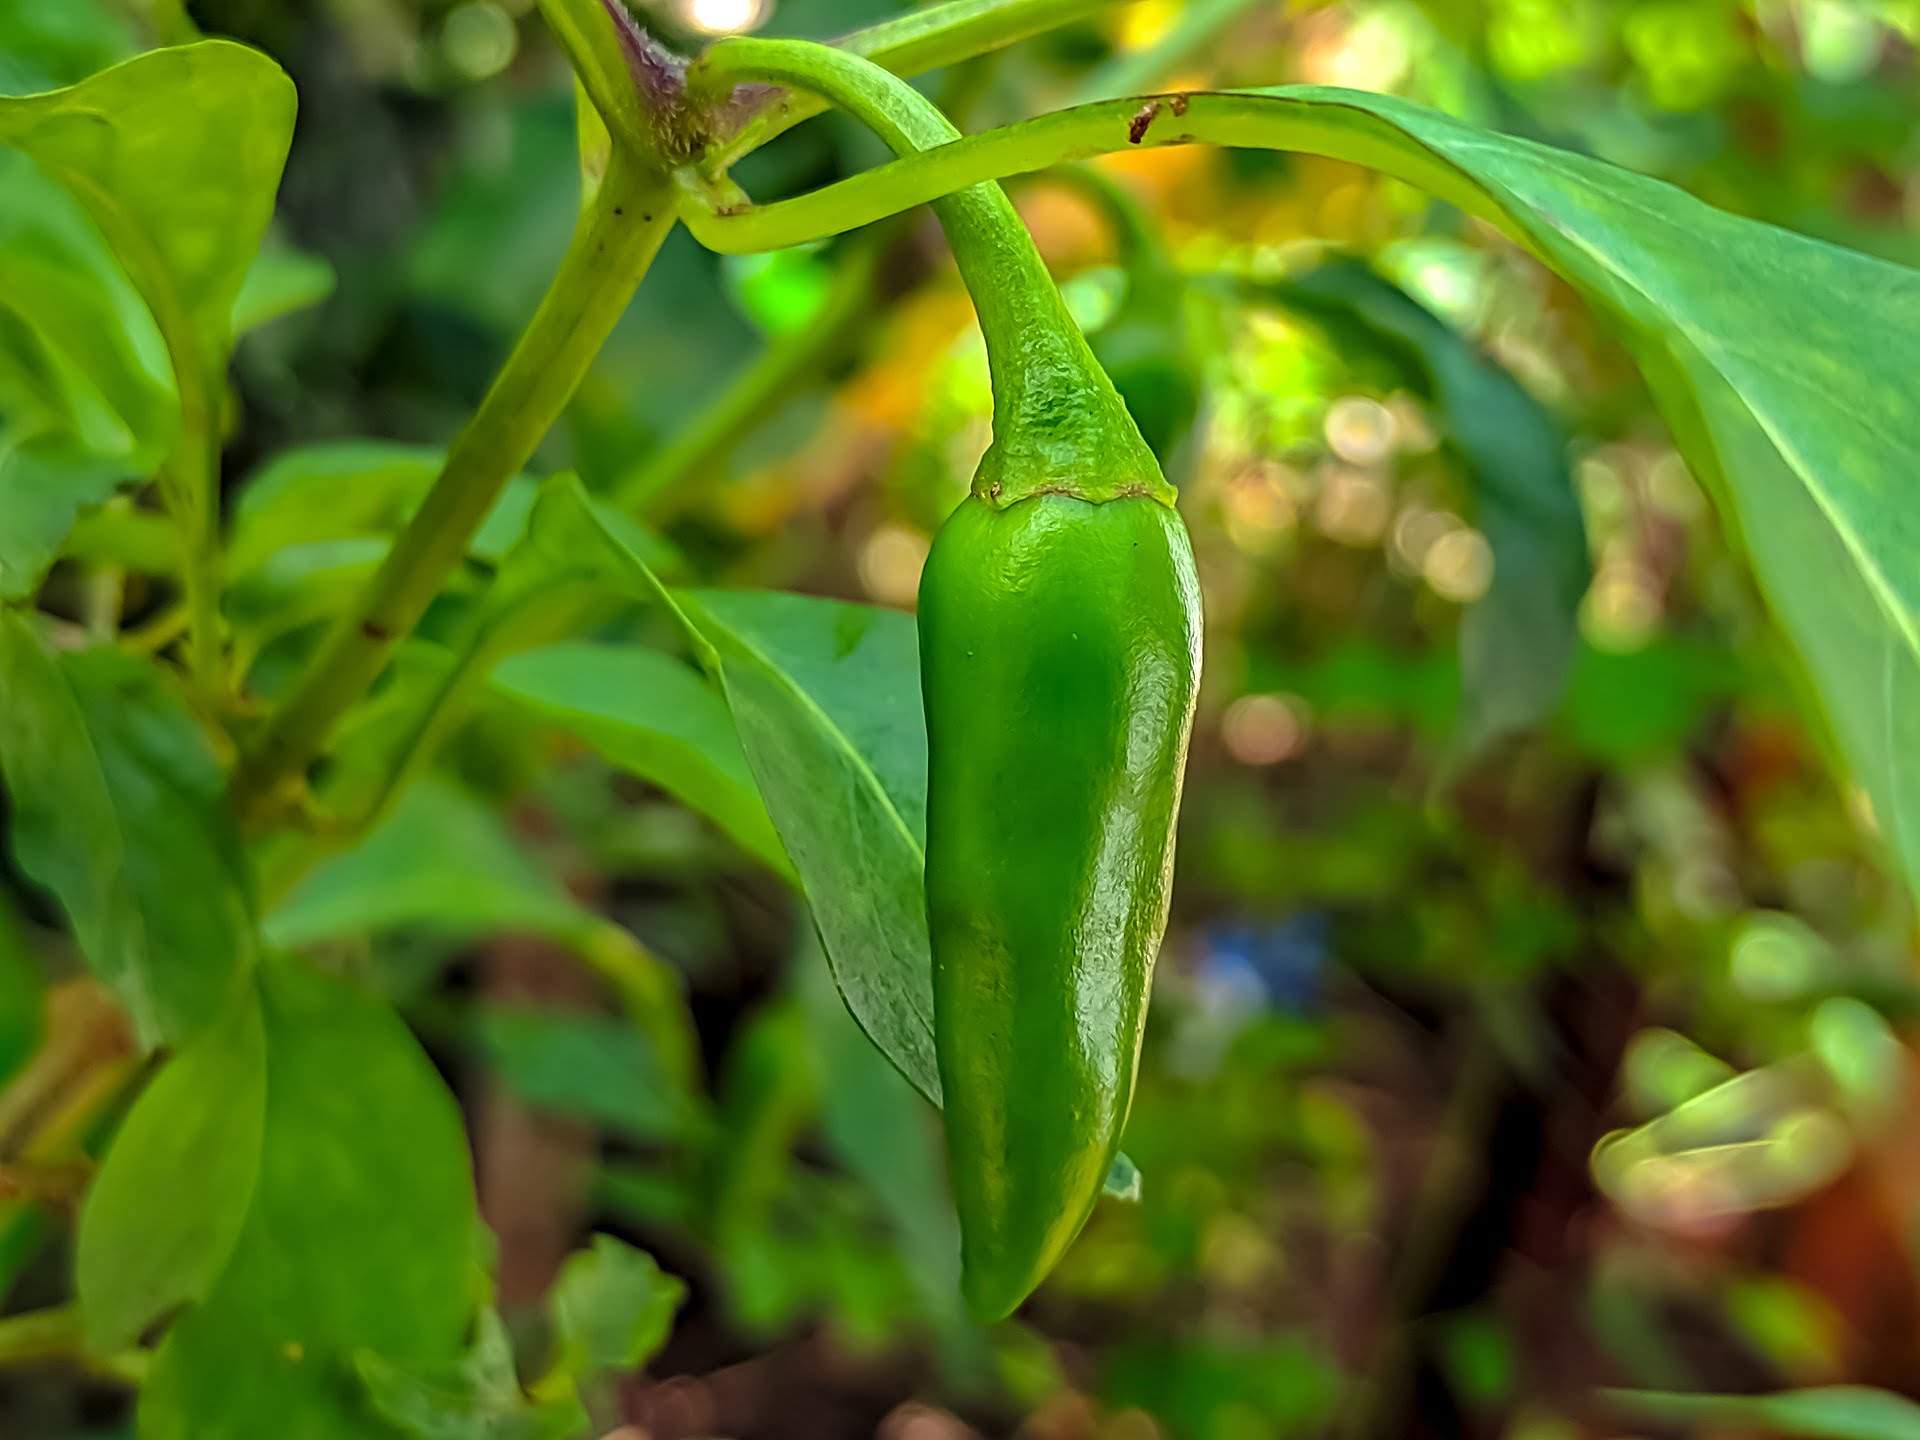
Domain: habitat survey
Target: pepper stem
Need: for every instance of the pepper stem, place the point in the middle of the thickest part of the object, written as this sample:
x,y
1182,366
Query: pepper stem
x,y
1058,425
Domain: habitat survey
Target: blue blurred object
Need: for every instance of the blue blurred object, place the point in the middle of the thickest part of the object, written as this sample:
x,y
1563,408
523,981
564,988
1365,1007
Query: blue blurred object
x,y
1248,971
1275,965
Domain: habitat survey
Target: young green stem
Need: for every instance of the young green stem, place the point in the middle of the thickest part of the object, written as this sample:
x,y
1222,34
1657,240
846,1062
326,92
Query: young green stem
x,y
618,235
1306,119
1058,425
917,41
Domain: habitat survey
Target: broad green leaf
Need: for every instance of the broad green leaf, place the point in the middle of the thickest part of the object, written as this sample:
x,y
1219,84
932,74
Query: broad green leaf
x,y
281,281
1833,1412
44,484
86,400
163,1215
439,862
612,1309
177,155
1517,642
119,810
594,1067
655,718
1783,364
835,736
478,1399
76,324
359,1236
825,697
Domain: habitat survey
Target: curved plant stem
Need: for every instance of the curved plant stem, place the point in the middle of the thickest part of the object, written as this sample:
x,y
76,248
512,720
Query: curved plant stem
x,y
615,242
1300,119
918,41
1057,422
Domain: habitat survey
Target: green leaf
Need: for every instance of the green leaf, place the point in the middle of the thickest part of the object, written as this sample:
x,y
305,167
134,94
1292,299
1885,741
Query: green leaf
x,y
580,1064
119,809
1518,641
834,733
612,1309
177,155
358,1237
478,1399
86,399
163,1215
1783,364
44,484
825,697
439,862
655,718
1834,1412
280,282
76,331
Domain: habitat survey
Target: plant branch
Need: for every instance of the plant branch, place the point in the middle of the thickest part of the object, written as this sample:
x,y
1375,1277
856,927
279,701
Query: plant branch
x,y
618,235
1306,118
911,44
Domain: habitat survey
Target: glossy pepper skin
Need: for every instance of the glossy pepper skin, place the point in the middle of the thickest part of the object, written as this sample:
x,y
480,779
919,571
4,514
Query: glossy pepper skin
x,y
1060,655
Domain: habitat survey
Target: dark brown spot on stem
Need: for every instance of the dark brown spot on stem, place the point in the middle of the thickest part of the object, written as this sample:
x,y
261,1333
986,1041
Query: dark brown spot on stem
x,y
1142,118
1179,103
375,632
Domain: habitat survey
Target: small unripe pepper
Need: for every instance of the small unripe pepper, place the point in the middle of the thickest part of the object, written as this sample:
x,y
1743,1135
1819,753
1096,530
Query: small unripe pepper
x,y
1060,649
1060,655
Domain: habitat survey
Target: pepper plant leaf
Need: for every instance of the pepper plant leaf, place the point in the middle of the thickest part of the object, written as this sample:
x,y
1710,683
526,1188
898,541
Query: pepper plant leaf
x,y
834,733
165,1212
358,1235
177,155
477,1399
655,718
825,697
612,1309
1783,364
118,809
441,861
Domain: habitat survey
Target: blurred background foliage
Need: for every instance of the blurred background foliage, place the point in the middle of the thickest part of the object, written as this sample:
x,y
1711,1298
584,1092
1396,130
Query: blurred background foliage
x,y
1536,1012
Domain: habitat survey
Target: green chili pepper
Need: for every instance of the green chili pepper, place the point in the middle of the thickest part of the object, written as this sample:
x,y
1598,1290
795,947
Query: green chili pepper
x,y
1060,653
1060,649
